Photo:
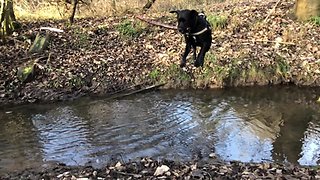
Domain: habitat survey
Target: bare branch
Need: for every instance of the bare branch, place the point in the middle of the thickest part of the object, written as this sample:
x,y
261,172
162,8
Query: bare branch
x,y
272,10
156,23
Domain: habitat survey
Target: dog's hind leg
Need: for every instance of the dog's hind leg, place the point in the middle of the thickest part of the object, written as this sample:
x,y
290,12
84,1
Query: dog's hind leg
x,y
200,59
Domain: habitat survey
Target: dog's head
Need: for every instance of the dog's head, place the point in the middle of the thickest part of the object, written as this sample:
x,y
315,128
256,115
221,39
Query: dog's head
x,y
187,20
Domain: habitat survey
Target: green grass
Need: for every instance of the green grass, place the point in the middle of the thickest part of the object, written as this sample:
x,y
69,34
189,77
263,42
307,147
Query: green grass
x,y
175,71
76,81
129,29
154,74
282,67
216,21
210,57
315,20
81,36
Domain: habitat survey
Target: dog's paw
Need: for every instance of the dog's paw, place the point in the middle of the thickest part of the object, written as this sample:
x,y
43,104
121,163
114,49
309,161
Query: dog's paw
x,y
197,64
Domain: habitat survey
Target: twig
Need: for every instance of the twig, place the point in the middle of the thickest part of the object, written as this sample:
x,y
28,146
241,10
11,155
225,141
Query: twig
x,y
128,174
48,59
272,10
156,23
287,43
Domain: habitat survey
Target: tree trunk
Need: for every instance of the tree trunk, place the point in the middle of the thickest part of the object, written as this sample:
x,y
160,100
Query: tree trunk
x,y
40,43
305,9
149,4
74,8
7,18
114,6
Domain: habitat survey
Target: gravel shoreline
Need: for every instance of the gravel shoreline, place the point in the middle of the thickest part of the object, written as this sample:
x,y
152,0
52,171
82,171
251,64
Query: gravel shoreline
x,y
147,168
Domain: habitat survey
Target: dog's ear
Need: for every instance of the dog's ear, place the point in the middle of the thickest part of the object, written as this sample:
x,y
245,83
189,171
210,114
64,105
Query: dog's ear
x,y
194,13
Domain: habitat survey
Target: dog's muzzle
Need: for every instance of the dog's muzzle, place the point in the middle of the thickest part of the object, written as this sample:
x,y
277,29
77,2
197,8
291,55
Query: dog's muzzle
x,y
184,31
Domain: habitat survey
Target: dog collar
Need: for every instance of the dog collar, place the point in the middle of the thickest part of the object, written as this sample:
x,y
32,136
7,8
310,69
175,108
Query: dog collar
x,y
200,32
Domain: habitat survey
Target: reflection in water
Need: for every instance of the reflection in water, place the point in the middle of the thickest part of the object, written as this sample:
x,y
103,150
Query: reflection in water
x,y
238,140
62,136
19,146
310,154
251,125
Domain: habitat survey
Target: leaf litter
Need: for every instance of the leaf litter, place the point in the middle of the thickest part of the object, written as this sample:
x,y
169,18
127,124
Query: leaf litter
x,y
92,57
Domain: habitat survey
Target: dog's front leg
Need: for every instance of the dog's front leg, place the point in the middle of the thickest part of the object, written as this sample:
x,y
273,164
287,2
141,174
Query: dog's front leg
x,y
186,52
200,59
194,47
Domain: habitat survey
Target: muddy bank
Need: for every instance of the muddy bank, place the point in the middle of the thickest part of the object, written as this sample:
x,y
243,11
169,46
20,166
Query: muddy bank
x,y
106,55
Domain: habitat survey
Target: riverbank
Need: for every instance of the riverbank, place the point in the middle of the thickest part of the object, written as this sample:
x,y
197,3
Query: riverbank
x,y
97,56
147,168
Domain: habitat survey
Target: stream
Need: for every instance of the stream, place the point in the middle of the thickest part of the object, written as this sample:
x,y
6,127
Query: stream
x,y
263,124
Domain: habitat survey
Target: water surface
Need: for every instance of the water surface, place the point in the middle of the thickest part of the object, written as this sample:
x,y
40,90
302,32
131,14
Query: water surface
x,y
245,124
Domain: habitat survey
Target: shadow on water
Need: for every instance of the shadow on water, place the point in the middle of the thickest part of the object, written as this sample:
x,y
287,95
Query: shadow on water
x,y
276,124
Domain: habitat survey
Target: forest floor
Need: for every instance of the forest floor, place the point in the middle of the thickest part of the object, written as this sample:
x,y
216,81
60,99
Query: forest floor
x,y
252,45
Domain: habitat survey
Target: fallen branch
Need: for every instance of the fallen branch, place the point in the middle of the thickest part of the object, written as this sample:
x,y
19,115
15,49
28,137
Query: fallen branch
x,y
129,91
156,23
51,29
143,89
36,56
272,10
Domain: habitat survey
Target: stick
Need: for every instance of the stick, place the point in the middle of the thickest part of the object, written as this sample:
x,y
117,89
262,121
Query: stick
x,y
148,88
287,43
272,10
129,91
51,29
156,23
128,174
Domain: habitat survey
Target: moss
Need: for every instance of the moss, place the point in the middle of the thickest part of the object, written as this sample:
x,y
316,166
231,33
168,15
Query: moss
x,y
24,73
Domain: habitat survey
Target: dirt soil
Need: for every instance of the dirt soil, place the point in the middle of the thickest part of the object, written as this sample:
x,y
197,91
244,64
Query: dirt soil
x,y
95,57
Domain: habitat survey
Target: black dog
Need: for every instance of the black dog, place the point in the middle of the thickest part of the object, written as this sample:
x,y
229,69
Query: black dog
x,y
197,32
